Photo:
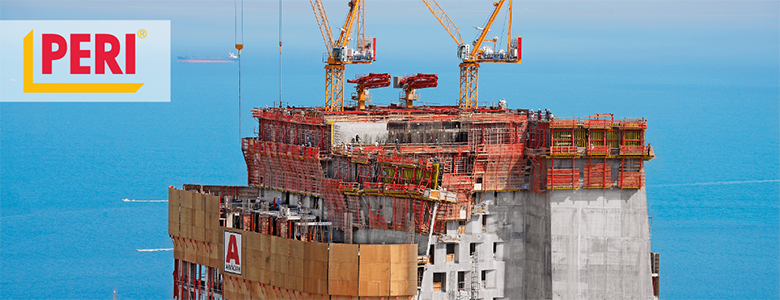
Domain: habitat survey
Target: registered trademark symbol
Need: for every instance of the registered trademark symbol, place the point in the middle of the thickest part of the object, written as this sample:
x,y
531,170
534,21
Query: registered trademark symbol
x,y
142,33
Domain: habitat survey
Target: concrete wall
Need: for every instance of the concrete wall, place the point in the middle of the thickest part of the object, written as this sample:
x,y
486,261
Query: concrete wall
x,y
522,221
600,244
513,250
369,132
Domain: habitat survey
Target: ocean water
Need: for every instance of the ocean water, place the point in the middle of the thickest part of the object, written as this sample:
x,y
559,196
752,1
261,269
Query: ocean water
x,y
713,109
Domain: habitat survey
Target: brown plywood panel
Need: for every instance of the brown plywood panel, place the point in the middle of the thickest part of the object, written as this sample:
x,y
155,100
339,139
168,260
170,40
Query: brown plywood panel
x,y
375,253
221,257
178,251
374,279
298,281
264,276
411,252
315,251
229,288
198,234
265,262
370,288
214,255
399,271
282,246
397,253
284,264
289,282
295,267
186,199
184,231
375,270
265,243
315,286
250,262
185,216
197,201
315,269
296,248
342,278
173,227
173,215
199,218
208,220
276,279
203,253
243,289
188,253
251,240
343,271
278,263
173,212
413,281
211,204
274,244
256,291
403,270
208,235
343,253
218,235
173,197
403,288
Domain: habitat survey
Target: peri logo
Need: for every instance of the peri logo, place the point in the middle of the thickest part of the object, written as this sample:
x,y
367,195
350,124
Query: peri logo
x,y
102,58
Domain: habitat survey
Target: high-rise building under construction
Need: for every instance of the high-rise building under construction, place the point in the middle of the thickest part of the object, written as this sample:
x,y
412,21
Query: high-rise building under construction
x,y
423,203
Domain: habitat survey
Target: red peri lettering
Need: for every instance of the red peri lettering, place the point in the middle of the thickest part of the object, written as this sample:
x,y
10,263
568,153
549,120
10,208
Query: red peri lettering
x,y
103,57
48,40
76,54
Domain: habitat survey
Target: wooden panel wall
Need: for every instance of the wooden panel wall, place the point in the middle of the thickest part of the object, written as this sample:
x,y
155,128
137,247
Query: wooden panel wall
x,y
280,268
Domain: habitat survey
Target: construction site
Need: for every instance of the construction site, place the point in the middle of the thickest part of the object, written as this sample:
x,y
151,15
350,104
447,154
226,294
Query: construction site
x,y
358,201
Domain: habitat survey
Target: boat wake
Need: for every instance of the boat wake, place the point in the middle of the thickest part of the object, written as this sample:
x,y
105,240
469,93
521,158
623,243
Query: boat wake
x,y
152,250
716,183
130,200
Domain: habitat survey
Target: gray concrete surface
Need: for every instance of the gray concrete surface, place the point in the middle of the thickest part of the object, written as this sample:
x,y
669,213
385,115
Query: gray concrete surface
x,y
600,244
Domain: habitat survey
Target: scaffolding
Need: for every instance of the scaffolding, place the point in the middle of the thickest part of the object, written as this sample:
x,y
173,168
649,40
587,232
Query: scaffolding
x,y
453,155
597,176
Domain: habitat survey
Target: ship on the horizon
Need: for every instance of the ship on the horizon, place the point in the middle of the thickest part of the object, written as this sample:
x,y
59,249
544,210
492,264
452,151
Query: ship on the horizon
x,y
208,59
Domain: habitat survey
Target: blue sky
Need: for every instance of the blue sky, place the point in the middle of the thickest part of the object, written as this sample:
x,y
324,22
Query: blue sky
x,y
698,29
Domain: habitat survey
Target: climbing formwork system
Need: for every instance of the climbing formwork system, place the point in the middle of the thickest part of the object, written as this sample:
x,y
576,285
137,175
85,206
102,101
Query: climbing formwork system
x,y
395,169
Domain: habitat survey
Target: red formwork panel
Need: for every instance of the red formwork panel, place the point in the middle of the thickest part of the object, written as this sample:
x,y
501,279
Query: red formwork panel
x,y
597,176
562,179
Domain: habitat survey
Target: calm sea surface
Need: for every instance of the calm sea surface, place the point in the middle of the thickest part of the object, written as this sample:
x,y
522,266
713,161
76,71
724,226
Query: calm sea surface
x,y
66,234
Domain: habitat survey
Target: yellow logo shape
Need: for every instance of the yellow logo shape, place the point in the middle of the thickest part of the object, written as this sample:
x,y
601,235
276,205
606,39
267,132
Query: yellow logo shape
x,y
31,87
142,33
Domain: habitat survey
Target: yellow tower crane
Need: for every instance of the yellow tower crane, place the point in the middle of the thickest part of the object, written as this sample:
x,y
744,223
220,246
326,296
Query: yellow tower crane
x,y
474,53
339,52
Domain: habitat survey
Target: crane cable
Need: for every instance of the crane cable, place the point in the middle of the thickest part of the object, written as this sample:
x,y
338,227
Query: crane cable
x,y
280,53
239,41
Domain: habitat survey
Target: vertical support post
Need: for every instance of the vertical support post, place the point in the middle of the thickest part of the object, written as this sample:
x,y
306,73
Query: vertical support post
x,y
430,229
175,278
469,85
348,228
334,87
409,229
